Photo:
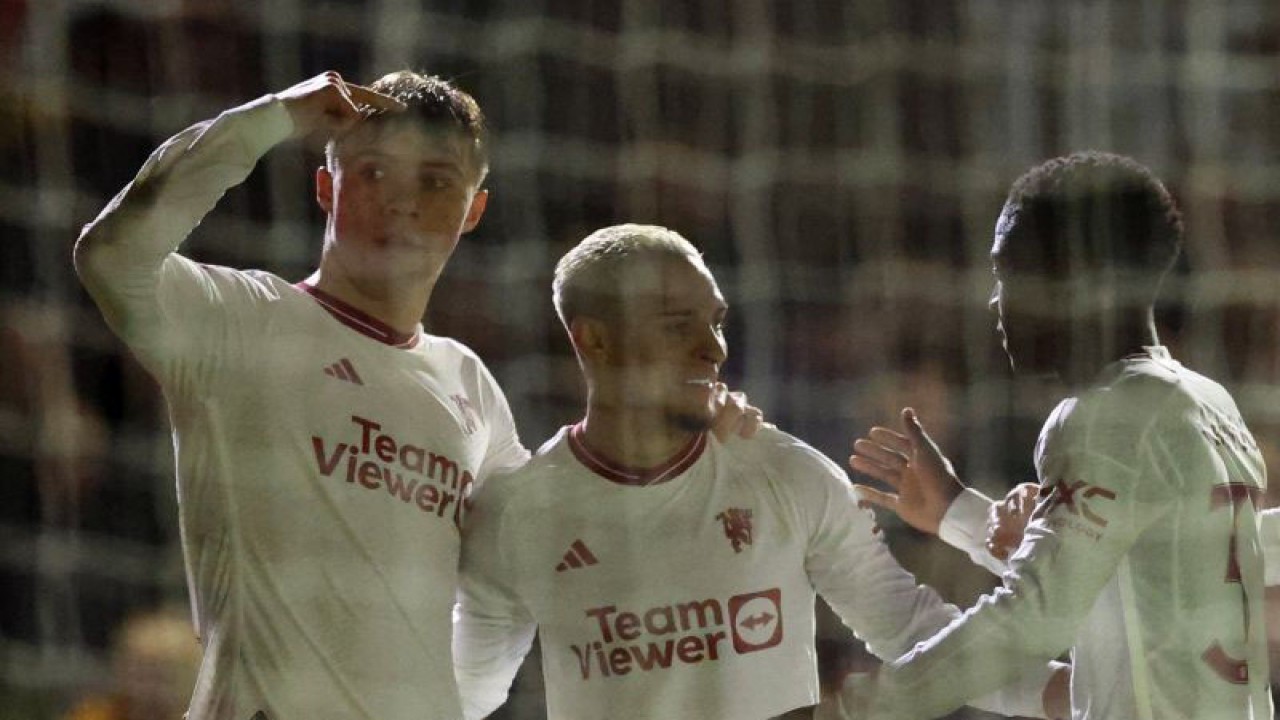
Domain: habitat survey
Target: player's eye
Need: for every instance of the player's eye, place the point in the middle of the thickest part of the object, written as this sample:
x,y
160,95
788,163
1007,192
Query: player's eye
x,y
437,181
372,172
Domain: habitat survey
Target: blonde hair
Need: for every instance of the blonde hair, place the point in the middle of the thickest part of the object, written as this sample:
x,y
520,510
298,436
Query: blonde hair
x,y
589,278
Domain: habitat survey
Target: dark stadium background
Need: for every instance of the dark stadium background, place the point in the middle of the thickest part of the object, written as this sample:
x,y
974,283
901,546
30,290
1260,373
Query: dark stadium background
x,y
840,163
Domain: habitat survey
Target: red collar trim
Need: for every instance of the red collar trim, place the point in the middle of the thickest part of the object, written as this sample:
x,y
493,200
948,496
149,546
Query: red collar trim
x,y
360,321
624,475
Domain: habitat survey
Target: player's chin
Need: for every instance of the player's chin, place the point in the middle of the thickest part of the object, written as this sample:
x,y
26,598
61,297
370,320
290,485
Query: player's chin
x,y
692,419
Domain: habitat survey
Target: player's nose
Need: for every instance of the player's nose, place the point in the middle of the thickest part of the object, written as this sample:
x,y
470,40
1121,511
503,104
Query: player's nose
x,y
712,346
401,198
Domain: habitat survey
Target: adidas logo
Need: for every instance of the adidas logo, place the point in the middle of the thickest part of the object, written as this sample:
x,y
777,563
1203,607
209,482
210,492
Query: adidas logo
x,y
577,556
344,370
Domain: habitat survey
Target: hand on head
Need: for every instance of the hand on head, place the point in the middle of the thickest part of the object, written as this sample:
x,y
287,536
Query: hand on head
x,y
326,105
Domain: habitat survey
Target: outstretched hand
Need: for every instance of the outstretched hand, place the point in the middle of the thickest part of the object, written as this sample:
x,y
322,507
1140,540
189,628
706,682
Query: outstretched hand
x,y
923,480
326,105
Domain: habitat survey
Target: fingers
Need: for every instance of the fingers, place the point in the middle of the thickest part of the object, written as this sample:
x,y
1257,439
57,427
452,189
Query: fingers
x,y
326,106
916,432
890,475
1028,495
361,95
891,439
886,456
1007,520
752,421
868,496
999,551
734,415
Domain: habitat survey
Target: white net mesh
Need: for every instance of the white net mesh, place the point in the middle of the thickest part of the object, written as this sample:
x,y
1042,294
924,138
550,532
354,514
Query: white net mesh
x,y
840,164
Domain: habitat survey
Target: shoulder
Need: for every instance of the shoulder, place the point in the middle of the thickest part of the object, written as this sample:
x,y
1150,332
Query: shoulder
x,y
230,285
1140,404
1137,397
447,346
786,458
526,484
445,351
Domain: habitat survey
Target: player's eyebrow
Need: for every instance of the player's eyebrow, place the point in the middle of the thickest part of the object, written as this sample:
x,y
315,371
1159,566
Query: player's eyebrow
x,y
721,308
450,166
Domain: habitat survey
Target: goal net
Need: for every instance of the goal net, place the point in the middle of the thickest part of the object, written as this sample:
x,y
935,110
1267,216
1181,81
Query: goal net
x,y
841,165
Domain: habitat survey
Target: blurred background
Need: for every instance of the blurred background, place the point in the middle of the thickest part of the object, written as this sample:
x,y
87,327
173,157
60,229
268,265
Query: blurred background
x,y
840,163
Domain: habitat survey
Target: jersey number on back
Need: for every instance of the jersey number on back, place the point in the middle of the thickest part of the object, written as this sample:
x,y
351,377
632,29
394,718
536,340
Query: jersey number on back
x,y
1232,495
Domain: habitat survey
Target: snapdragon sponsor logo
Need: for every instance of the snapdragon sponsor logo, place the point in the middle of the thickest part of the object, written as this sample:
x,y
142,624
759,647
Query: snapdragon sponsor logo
x,y
683,633
427,481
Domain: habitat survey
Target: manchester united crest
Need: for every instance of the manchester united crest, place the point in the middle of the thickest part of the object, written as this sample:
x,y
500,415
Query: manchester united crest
x,y
737,527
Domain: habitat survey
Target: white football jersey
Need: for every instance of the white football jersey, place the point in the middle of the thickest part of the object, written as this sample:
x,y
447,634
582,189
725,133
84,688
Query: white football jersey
x,y
684,591
1270,529
324,462
1143,558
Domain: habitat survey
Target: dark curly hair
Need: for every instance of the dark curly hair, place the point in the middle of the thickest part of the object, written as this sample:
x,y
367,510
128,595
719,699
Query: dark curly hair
x,y
1093,210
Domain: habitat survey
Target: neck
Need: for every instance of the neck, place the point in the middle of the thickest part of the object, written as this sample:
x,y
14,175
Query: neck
x,y
1116,338
631,438
400,306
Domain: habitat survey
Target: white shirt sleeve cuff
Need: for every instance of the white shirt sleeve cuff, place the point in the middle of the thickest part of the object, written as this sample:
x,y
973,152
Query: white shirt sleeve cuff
x,y
965,525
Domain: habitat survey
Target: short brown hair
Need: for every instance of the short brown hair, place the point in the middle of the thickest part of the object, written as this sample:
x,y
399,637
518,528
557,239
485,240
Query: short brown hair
x,y
435,104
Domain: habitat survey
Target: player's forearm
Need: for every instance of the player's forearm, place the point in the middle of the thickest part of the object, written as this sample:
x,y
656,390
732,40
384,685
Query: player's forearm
x,y
1052,586
119,254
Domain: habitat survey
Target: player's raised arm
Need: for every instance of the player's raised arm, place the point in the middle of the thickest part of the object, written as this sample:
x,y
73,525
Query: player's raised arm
x,y
119,254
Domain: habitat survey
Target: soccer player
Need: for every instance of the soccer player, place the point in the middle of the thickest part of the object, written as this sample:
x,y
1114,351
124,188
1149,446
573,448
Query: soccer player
x,y
1143,557
325,444
670,575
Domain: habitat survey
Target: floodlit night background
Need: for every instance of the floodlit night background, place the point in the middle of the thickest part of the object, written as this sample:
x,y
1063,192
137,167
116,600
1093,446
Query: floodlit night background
x,y
841,164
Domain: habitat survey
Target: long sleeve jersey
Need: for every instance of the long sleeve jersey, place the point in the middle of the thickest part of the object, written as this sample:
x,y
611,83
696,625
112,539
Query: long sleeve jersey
x,y
686,591
324,461
1143,558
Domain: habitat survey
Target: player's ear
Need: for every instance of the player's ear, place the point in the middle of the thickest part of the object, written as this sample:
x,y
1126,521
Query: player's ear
x,y
590,338
324,189
478,203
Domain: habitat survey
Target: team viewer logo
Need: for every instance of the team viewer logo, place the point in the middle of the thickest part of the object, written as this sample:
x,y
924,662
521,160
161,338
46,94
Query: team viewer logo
x,y
622,641
737,527
374,459
756,620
